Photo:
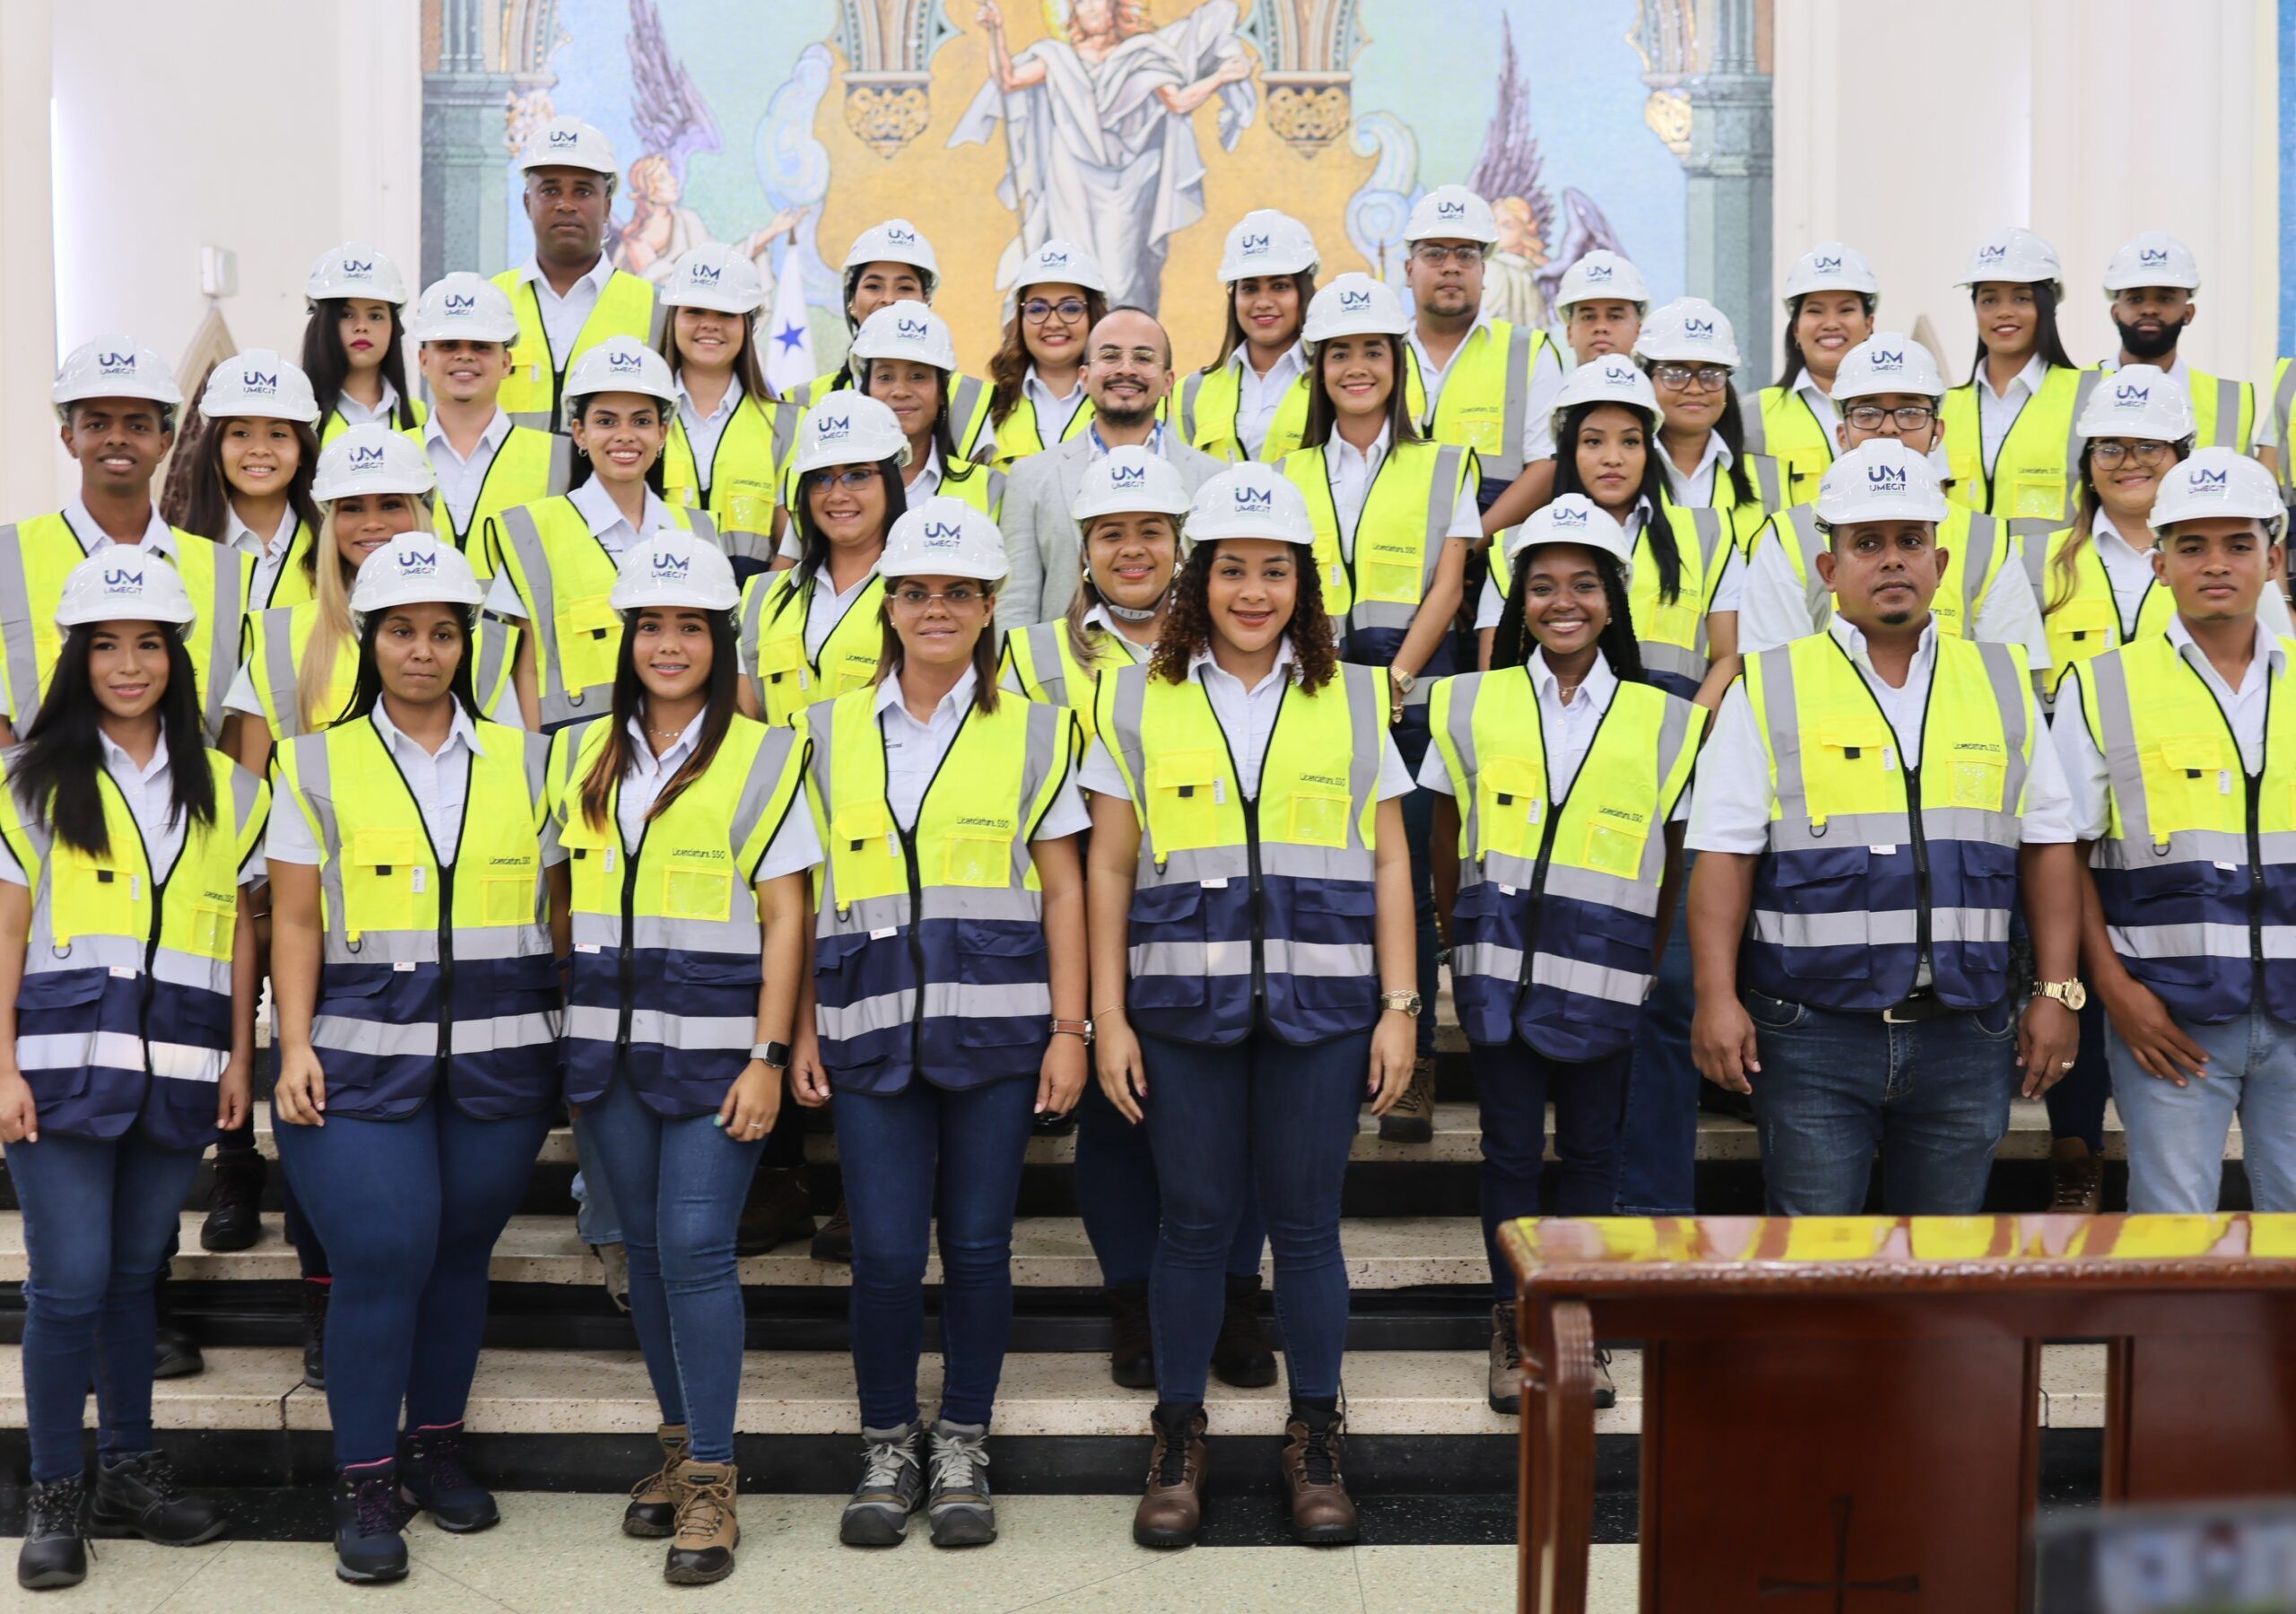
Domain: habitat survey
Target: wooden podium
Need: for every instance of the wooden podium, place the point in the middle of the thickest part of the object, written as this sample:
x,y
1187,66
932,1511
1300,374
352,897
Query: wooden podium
x,y
1843,1413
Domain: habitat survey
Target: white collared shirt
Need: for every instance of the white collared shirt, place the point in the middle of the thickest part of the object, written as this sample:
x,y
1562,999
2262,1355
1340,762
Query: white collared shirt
x,y
795,846
827,608
1820,404
1053,410
158,536
927,481
914,750
439,782
149,791
1997,413
2260,434
355,413
460,480
269,553
1733,793
1566,729
1247,716
1353,471
702,432
1258,397
2244,709
1546,381
562,317
1694,490
1729,590
607,524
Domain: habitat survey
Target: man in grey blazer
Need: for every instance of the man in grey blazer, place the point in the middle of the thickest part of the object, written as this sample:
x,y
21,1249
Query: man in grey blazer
x,y
1128,373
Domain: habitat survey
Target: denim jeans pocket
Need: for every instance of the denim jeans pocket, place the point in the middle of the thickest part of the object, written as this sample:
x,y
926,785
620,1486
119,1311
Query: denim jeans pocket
x,y
1998,1021
1773,1014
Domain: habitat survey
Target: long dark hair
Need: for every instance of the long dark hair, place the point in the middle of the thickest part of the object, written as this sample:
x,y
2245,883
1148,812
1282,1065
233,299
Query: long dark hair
x,y
953,468
56,772
1323,420
327,364
1188,625
1731,427
813,545
584,468
1794,363
746,369
618,753
2047,342
369,689
1009,370
1232,337
1512,644
1659,529
985,650
207,507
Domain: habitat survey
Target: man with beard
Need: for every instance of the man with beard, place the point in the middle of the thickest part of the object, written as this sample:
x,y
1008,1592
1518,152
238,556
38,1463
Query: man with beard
x,y
1127,375
2151,282
1874,800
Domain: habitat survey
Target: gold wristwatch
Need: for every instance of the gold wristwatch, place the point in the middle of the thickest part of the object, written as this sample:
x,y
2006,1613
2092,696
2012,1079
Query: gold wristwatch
x,y
2071,993
1406,1002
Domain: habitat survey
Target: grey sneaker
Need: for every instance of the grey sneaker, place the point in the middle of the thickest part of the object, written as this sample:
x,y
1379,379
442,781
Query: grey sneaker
x,y
960,1512
892,1487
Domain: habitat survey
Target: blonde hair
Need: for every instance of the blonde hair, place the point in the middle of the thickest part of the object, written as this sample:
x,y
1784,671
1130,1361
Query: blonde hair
x,y
315,706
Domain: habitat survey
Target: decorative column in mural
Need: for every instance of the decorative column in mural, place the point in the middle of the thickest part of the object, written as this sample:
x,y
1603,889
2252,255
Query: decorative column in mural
x,y
484,80
888,46
1305,46
1710,102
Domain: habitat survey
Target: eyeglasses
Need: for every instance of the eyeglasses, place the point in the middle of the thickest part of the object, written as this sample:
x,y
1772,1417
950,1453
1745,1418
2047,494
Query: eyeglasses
x,y
2109,452
960,598
852,476
1036,311
1868,417
1687,378
1435,256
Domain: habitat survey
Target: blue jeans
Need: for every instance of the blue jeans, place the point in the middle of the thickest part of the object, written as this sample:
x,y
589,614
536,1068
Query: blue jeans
x,y
1932,1097
1117,1198
100,1216
597,1219
409,1211
1411,741
2076,1105
909,1158
680,1184
1513,1085
1658,1170
1221,1120
2176,1134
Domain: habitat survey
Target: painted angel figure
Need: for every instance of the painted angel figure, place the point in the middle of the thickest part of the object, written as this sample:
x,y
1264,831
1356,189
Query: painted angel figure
x,y
1097,129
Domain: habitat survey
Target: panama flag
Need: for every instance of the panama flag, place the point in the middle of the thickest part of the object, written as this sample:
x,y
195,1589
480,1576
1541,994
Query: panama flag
x,y
788,339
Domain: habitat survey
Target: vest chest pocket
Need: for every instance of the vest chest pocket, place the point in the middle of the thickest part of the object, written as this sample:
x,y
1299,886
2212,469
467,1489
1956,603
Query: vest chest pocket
x,y
1849,768
1389,571
1316,818
1614,845
214,923
1976,779
2200,780
92,900
587,847
1512,805
2037,492
379,869
2087,626
506,892
749,510
697,887
781,656
864,851
589,636
1185,790
976,857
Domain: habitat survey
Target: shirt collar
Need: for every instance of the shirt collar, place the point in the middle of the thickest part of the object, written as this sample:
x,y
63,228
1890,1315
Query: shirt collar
x,y
1714,453
463,730
118,761
1035,384
2031,378
2270,650
1847,635
1369,458
953,704
2176,370
1154,445
1595,690
157,535
598,274
1291,361
1482,323
238,535
675,754
727,404
603,514
928,475
1807,386
1201,661
2100,527
490,441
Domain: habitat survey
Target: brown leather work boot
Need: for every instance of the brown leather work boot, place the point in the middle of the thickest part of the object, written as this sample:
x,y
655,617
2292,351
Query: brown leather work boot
x,y
708,1531
1413,1118
778,1211
1506,1363
2077,1177
653,1510
1321,1513
1171,1510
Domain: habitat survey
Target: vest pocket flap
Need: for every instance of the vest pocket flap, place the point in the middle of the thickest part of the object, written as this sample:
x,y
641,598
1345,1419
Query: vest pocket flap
x,y
592,614
578,834
2083,618
1187,771
832,953
1166,904
683,968
386,848
999,938
1824,865
2193,753
354,980
1518,780
783,653
1347,898
60,989
1853,730
860,820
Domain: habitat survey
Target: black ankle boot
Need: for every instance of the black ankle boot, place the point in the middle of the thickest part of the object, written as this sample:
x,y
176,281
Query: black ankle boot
x,y
369,1523
234,1213
141,1496
315,1292
54,1552
1132,1346
1241,1356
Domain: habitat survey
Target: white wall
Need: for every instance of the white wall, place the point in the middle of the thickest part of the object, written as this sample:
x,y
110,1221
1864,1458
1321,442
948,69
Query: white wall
x,y
1909,132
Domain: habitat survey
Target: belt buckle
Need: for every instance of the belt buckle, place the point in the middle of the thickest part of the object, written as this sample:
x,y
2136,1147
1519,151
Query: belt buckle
x,y
1920,1002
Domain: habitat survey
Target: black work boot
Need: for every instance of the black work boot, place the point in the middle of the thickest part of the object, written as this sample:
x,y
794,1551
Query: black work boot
x,y
140,1494
54,1552
434,1478
175,1354
315,1292
234,1212
1132,1344
1241,1356
779,1210
369,1525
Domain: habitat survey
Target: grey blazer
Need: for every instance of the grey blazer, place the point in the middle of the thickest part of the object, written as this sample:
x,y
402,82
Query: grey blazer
x,y
1040,537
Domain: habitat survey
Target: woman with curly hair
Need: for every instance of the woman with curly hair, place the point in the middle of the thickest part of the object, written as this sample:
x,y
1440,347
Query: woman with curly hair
x,y
1037,375
1251,924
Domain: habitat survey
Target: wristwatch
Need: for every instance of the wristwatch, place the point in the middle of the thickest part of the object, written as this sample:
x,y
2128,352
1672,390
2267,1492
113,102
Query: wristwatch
x,y
1083,1027
776,1054
1408,1002
2071,993
1403,682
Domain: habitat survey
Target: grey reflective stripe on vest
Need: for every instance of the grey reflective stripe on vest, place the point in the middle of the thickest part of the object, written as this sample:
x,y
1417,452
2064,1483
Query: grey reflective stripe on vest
x,y
2283,405
1985,538
752,629
2227,417
1367,716
1783,732
278,632
497,644
1045,664
1755,431
962,405
656,321
1801,525
1691,661
1770,484
1522,354
1461,729
541,614
1188,389
2035,557
224,622
2007,675
562,468
781,423
2084,383
16,632
757,790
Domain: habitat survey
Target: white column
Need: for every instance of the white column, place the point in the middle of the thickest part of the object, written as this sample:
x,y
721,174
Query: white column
x,y
27,471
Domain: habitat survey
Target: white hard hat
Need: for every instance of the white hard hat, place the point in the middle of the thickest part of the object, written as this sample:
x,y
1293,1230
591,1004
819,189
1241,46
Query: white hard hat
x,y
1888,361
2155,258
372,458
1880,480
1451,213
907,330
622,364
1610,378
1688,330
945,537
849,429
113,367
569,142
1058,261
414,568
1130,480
1831,266
1572,518
258,384
1250,500
1264,241
463,307
1599,275
674,568
1354,305
2218,481
2138,401
355,269
713,275
124,582
895,241
2014,254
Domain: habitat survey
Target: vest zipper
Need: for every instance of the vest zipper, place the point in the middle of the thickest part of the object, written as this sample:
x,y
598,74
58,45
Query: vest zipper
x,y
2252,797
916,878
1252,870
626,967
1916,840
151,940
447,957
1554,810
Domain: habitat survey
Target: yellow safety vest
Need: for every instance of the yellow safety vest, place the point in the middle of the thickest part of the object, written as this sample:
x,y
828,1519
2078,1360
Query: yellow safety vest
x,y
1020,433
772,629
1486,396
290,583
1784,426
2284,412
1211,400
2223,412
35,558
2085,621
529,466
275,649
1977,546
1745,517
1040,664
738,490
334,425
1672,638
533,392
2032,476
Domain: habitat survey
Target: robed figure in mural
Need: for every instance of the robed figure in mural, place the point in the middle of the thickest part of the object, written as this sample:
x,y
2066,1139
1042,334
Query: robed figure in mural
x,y
1097,124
